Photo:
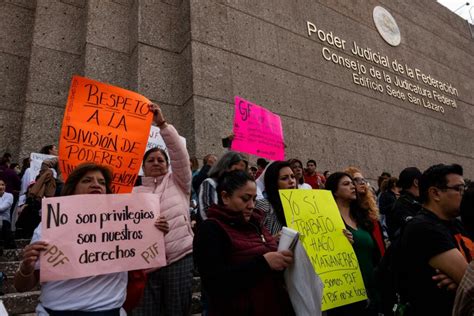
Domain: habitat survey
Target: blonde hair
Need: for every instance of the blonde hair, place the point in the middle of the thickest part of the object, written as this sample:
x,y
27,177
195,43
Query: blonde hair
x,y
367,199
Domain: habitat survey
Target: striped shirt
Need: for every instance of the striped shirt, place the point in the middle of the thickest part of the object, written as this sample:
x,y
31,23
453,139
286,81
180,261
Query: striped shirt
x,y
270,221
464,303
207,196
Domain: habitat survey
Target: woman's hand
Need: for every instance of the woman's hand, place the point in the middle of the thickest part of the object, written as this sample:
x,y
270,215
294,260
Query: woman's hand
x,y
158,117
31,253
349,236
162,224
279,260
444,282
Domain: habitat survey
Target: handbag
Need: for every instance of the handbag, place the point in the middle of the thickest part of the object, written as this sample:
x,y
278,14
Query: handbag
x,y
135,288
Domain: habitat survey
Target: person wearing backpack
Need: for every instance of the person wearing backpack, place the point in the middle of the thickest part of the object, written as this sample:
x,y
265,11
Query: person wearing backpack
x,y
434,242
407,205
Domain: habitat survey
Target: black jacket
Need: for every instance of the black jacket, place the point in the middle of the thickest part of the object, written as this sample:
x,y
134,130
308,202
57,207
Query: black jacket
x,y
406,206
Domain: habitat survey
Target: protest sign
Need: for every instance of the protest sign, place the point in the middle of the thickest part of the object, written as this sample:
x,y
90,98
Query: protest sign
x,y
36,160
257,131
314,214
98,234
106,125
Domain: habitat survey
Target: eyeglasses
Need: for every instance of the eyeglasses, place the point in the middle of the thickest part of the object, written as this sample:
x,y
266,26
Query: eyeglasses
x,y
461,188
360,181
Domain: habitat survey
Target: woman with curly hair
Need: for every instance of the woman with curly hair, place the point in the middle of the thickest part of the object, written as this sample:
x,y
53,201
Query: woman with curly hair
x,y
367,202
360,222
365,195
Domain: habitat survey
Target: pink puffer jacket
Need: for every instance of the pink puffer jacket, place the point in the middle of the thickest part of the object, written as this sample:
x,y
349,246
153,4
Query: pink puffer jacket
x,y
173,190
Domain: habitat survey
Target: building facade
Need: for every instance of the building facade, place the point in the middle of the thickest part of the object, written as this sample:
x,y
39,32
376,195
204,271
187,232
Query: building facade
x,y
345,95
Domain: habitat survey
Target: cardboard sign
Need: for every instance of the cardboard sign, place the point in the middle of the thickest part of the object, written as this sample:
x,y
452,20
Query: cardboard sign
x,y
314,214
106,125
98,234
36,160
257,131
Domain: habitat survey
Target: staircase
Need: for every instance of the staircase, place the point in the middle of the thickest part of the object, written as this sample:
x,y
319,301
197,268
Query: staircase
x,y
25,303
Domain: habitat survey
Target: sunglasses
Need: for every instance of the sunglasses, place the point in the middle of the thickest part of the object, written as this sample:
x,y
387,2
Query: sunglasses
x,y
359,180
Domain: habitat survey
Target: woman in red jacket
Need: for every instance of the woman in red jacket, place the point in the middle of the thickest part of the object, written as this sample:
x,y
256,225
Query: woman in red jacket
x,y
236,255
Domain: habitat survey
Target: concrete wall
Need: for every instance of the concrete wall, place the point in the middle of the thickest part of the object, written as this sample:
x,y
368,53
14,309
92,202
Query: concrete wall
x,y
261,51
138,45
16,29
194,56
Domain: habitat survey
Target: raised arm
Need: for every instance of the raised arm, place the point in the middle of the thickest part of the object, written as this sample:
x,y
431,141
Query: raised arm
x,y
179,157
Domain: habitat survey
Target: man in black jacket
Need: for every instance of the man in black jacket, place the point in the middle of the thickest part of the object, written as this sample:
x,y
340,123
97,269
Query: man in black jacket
x,y
202,175
407,205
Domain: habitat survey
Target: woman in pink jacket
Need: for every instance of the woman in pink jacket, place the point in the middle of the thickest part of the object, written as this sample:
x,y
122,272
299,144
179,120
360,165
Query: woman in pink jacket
x,y
168,290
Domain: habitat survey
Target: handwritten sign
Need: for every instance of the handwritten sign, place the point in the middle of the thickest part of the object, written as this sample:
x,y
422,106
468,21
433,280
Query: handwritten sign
x,y
314,214
36,159
99,234
106,125
257,131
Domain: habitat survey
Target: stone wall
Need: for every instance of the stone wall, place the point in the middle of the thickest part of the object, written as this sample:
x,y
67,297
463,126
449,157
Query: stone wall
x,y
194,56
261,51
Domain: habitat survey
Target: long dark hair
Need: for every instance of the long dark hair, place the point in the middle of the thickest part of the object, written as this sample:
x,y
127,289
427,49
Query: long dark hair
x,y
79,172
230,182
292,163
272,174
25,165
360,215
46,149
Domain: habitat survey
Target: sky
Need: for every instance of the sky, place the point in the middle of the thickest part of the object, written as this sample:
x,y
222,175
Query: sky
x,y
461,8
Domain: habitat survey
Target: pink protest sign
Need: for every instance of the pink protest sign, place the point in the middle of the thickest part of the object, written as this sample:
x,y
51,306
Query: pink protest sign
x,y
98,234
257,131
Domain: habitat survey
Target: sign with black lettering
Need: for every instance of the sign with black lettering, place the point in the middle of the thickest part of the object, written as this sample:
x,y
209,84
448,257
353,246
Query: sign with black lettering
x,y
98,234
106,125
314,214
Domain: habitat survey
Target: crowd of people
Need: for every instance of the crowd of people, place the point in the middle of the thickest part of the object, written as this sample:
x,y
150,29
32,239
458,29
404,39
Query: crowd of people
x,y
412,236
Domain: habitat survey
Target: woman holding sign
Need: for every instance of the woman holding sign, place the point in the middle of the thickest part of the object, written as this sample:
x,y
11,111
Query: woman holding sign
x,y
359,222
168,290
278,176
98,295
237,256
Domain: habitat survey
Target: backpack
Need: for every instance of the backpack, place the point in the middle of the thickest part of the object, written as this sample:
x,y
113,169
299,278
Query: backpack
x,y
388,275
29,218
136,284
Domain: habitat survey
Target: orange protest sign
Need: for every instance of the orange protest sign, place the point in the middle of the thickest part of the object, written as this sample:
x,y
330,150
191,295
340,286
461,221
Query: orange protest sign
x,y
106,125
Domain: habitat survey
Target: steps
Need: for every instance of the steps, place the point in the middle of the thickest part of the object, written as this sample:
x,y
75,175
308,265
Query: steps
x,y
25,303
